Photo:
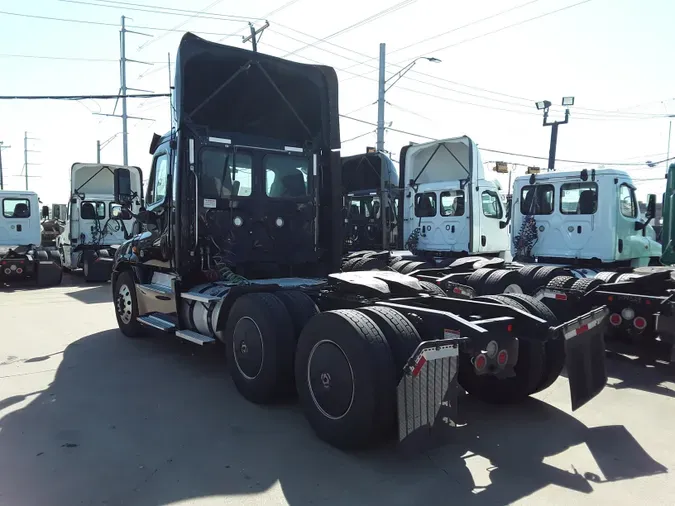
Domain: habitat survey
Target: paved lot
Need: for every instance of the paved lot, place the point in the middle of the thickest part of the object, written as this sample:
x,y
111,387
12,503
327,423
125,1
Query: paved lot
x,y
90,417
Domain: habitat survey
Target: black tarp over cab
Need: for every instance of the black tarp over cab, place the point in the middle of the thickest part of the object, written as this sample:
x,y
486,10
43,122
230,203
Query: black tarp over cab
x,y
253,98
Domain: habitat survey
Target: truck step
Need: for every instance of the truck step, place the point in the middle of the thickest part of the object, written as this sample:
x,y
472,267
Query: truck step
x,y
154,287
200,297
157,321
194,337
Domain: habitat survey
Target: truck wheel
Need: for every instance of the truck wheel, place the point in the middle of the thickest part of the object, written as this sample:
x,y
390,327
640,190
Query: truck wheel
x,y
126,305
369,264
528,370
300,307
345,375
542,277
259,345
398,266
401,335
561,283
465,262
414,266
477,279
433,288
585,285
502,281
554,348
607,276
348,266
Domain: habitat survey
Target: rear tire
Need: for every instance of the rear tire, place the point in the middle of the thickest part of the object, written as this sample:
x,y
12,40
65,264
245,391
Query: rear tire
x,y
345,375
502,281
401,335
607,276
561,283
259,345
433,288
544,275
126,305
585,285
300,307
553,348
478,278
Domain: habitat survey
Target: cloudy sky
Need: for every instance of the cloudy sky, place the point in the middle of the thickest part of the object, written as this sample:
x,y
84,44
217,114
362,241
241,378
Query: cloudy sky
x,y
498,58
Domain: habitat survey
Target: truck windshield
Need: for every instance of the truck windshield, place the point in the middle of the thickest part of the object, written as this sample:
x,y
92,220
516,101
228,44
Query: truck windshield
x,y
286,176
225,174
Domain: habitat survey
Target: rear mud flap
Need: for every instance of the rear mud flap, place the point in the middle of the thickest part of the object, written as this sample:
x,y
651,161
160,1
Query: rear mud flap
x,y
585,355
427,395
100,269
48,273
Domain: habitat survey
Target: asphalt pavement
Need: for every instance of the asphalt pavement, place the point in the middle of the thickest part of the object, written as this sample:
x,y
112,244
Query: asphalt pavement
x,y
90,417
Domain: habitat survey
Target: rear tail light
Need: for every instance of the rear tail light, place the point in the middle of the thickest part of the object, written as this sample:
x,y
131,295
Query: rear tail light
x,y
480,362
7,270
615,319
640,323
502,357
19,270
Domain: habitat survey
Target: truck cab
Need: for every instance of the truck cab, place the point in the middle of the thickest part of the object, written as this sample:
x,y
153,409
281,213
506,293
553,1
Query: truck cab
x,y
588,218
449,209
21,255
362,202
95,223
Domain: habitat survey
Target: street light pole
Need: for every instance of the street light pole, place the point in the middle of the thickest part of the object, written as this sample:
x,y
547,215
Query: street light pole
x,y
382,88
380,101
545,105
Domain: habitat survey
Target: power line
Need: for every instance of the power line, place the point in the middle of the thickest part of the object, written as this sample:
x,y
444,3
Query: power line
x,y
101,23
82,97
365,21
453,30
507,152
179,25
155,9
369,132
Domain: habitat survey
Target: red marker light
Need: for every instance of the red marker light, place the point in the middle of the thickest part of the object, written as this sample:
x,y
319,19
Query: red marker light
x,y
509,328
640,323
503,357
560,296
457,290
480,362
582,329
615,319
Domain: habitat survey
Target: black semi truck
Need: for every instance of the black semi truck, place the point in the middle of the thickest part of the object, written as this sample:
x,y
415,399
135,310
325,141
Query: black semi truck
x,y
241,244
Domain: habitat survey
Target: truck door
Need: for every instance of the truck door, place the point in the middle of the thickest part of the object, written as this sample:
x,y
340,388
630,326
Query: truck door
x,y
19,222
454,219
631,244
488,212
578,207
425,210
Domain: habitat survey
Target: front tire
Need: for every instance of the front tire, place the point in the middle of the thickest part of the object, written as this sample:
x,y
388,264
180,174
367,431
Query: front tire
x,y
126,305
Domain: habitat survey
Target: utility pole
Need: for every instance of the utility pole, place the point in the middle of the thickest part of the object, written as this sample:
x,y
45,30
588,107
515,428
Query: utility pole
x,y
123,91
98,151
255,35
25,155
2,146
380,101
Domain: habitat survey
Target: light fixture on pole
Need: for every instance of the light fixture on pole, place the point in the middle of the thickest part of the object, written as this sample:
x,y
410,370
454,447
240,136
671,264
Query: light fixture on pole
x,y
544,105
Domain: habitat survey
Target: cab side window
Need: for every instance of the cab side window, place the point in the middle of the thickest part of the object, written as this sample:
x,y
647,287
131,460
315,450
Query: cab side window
x,y
159,179
628,201
492,205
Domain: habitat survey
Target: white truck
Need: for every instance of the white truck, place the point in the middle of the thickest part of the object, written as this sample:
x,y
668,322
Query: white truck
x,y
96,224
21,256
449,208
587,219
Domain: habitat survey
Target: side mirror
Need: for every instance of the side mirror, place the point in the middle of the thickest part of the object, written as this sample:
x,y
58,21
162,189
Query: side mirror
x,y
45,212
651,207
122,187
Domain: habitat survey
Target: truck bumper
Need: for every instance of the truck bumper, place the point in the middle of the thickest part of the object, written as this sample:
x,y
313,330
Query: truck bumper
x,y
427,394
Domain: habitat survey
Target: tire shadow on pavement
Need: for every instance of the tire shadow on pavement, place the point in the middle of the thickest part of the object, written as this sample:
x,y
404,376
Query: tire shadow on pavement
x,y
154,421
